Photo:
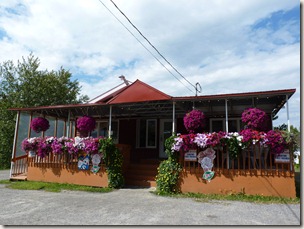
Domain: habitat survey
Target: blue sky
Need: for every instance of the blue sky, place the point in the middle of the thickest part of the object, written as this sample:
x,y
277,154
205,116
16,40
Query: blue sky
x,y
227,46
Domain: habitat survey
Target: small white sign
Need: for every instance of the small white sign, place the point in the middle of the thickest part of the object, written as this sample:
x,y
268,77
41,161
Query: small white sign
x,y
190,155
282,157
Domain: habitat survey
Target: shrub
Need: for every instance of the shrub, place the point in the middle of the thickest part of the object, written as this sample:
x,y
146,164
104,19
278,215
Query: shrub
x,y
168,170
113,160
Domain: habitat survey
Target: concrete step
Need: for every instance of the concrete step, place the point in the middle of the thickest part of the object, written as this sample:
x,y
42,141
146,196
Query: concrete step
x,y
21,177
140,183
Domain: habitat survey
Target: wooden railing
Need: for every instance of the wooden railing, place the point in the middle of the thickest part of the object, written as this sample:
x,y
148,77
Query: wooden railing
x,y
19,165
254,160
52,160
69,161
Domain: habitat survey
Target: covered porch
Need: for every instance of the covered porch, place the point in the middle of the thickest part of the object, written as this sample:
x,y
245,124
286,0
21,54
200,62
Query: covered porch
x,y
139,118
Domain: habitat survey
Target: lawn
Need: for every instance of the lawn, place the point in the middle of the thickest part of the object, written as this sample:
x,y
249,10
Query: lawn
x,y
51,187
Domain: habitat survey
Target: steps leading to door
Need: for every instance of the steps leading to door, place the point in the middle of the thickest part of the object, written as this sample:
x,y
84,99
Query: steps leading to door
x,y
142,174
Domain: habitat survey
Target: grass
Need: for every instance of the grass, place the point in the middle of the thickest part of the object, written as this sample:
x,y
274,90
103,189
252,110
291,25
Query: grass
x,y
51,187
234,197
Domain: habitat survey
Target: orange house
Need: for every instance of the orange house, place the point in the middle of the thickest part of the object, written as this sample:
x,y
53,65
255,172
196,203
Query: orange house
x,y
139,118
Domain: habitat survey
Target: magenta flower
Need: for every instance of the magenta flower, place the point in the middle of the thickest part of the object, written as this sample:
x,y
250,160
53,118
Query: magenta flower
x,y
86,124
255,118
40,124
275,141
194,121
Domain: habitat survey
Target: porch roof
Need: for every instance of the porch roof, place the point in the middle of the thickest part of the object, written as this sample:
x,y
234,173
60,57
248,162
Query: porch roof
x,y
141,100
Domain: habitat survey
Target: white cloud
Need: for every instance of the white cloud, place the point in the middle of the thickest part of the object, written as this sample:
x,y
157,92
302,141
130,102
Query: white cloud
x,y
211,42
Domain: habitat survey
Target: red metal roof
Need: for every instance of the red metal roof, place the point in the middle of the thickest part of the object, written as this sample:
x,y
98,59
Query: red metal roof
x,y
138,92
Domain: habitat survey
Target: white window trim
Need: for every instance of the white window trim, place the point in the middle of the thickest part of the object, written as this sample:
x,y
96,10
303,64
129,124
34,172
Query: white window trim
x,y
146,140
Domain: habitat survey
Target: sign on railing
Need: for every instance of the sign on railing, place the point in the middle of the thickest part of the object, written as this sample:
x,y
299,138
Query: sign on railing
x,y
190,155
282,157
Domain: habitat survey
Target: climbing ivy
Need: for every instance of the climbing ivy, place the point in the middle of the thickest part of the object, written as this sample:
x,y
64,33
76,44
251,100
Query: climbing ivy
x,y
113,160
168,170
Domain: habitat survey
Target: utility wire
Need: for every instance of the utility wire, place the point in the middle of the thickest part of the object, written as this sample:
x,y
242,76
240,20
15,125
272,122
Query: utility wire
x,y
151,44
146,47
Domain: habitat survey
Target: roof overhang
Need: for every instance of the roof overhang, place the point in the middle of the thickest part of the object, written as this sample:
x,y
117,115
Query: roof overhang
x,y
211,105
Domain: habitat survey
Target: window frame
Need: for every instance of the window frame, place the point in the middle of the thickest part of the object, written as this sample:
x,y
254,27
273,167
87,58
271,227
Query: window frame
x,y
146,133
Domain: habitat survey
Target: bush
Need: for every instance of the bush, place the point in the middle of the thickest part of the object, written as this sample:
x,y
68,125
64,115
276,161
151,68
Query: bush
x,y
113,160
168,170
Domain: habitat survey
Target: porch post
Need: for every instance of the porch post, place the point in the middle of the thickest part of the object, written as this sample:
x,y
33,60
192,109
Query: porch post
x,y
173,119
271,120
29,130
287,110
226,112
68,124
227,130
110,122
15,141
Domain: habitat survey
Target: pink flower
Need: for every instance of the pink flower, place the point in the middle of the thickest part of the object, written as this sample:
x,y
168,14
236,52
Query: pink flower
x,y
194,121
255,118
40,124
86,124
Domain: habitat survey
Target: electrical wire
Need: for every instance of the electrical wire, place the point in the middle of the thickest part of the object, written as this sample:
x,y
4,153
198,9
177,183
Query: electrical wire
x,y
146,47
151,43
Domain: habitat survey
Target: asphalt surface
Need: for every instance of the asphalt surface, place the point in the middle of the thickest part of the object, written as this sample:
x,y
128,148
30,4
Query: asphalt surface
x,y
133,207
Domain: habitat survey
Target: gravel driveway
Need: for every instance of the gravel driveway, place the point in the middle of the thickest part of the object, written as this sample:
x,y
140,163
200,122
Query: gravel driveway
x,y
133,207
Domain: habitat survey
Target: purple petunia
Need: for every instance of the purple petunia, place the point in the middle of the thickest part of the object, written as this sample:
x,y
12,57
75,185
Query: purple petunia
x,y
40,124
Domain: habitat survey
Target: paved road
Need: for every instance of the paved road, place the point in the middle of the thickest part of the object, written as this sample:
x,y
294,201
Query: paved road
x,y
133,207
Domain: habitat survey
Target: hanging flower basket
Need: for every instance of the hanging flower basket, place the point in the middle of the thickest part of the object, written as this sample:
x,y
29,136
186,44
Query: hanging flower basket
x,y
255,118
194,121
86,124
40,124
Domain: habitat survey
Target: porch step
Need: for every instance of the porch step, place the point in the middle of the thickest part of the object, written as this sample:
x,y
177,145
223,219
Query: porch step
x,y
20,177
142,174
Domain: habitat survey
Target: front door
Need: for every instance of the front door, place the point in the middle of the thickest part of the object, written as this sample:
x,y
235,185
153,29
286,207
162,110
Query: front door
x,y
165,132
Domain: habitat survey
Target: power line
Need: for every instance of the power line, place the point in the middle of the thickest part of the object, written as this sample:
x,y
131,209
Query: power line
x,y
146,47
151,44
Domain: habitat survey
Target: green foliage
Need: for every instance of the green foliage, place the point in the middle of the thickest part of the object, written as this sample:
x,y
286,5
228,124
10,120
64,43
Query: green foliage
x,y
113,160
292,138
51,187
24,85
199,197
168,170
233,147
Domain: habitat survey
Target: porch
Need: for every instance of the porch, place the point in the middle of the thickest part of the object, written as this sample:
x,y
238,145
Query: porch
x,y
256,174
139,118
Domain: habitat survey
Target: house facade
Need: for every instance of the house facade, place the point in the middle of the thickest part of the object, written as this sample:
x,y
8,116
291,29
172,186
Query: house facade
x,y
141,117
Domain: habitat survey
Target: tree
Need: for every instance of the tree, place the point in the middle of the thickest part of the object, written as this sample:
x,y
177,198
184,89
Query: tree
x,y
24,85
294,133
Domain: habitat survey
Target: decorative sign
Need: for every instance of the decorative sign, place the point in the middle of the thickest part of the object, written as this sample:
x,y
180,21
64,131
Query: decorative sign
x,y
31,153
205,158
207,163
190,155
96,158
83,162
208,175
282,157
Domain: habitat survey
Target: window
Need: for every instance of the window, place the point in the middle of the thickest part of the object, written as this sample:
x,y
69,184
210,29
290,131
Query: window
x,y
146,133
219,124
102,129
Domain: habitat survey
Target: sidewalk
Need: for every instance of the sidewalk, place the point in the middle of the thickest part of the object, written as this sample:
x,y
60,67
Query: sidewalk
x,y
134,207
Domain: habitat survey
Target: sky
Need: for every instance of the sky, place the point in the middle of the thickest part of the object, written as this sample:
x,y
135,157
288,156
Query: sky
x,y
229,46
